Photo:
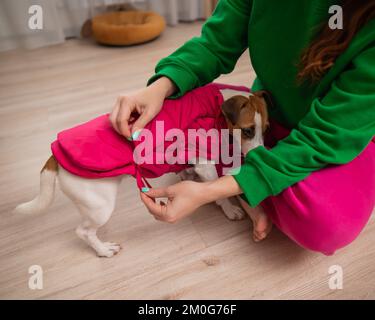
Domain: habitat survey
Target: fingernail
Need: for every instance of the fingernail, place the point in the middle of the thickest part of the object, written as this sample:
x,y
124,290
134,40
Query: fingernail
x,y
145,189
136,134
129,138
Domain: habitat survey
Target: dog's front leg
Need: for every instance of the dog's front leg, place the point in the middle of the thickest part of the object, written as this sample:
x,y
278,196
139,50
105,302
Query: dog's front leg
x,y
207,172
188,174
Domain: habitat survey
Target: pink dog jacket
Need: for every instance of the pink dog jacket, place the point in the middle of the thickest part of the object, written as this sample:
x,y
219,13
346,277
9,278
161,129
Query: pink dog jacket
x,y
95,150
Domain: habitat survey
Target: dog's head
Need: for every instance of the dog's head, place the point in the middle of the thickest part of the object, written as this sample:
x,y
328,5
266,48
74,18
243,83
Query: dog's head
x,y
249,114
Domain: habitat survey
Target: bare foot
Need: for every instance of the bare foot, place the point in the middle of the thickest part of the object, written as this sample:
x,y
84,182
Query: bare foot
x,y
262,225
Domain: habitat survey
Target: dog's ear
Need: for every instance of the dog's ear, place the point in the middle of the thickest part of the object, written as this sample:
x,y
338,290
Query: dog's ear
x,y
262,109
231,108
266,95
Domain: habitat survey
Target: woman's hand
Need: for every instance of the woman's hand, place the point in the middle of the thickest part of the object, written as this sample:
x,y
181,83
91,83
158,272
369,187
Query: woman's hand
x,y
183,198
146,102
187,196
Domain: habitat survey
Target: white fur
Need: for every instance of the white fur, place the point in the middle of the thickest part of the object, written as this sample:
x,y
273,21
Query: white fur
x,y
229,93
207,172
249,144
96,198
45,197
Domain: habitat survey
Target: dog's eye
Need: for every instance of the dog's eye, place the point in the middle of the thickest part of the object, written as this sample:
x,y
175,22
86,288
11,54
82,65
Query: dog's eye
x,y
249,132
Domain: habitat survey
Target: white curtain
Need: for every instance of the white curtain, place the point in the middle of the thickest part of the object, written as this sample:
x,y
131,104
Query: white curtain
x,y
64,18
178,10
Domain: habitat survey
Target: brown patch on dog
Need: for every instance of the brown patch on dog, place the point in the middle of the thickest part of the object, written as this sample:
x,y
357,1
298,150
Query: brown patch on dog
x,y
51,164
266,99
232,108
239,112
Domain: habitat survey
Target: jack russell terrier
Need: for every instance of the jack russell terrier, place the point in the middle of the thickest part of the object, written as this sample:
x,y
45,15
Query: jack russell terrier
x,y
95,194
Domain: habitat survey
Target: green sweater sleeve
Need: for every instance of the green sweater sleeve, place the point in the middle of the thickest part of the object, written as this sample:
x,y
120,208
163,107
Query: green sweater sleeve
x,y
335,130
203,59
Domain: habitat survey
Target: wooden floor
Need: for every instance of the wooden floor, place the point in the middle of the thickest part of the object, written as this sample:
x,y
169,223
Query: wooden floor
x,y
205,256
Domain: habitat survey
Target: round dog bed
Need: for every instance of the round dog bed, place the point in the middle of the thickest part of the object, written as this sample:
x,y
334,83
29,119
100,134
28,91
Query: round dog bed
x,y
127,27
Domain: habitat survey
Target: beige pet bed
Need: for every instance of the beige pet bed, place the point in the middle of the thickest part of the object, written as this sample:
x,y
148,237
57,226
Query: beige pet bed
x,y
127,27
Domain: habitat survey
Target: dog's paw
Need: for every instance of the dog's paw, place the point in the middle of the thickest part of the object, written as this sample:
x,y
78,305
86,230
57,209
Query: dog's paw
x,y
109,249
232,212
188,175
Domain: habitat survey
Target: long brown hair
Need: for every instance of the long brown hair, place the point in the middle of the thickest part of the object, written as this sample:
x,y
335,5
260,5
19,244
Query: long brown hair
x,y
321,54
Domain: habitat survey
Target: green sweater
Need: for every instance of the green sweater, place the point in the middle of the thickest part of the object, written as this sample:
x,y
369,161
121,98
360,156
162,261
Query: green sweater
x,y
331,122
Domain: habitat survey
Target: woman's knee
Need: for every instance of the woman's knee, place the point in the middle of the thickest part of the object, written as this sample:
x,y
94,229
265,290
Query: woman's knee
x,y
320,237
325,232
317,226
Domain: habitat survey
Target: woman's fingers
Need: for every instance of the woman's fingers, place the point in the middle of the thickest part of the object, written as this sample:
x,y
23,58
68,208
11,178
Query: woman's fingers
x,y
142,121
123,117
161,211
158,210
113,116
120,117
158,192
183,199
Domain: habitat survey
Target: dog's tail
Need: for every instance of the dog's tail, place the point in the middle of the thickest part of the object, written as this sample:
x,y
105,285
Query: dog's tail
x,y
46,193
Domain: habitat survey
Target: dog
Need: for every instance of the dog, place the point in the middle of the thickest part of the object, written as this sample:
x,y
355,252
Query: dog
x,y
95,198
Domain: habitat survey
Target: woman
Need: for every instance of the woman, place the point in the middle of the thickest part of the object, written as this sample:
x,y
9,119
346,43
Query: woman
x,y
316,179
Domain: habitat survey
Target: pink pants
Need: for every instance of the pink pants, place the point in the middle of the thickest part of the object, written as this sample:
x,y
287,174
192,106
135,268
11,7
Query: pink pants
x,y
327,210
